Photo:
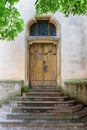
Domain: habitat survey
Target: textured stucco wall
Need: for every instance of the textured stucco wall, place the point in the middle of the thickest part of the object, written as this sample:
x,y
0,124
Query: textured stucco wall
x,y
76,89
73,46
12,54
9,90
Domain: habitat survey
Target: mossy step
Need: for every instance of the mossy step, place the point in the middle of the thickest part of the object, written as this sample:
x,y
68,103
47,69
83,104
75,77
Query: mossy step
x,y
46,97
44,93
38,108
43,90
35,92
42,87
43,103
39,117
45,123
29,116
44,116
42,98
70,109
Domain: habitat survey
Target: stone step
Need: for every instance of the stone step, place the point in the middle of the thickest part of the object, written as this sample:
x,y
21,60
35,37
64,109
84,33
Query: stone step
x,y
70,109
75,115
46,88
59,124
44,107
43,90
42,98
44,116
43,93
80,114
45,97
43,103
10,108
35,109
28,116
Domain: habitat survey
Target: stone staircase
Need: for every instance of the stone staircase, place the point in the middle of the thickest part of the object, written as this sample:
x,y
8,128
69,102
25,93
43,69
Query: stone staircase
x,y
44,108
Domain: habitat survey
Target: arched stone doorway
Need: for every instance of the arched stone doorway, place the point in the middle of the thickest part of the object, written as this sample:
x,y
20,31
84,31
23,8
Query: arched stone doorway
x,y
43,53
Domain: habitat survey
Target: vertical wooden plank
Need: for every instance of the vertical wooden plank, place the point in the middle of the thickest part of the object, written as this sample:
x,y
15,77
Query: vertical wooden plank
x,y
50,76
54,65
45,60
36,65
48,60
40,65
50,65
31,64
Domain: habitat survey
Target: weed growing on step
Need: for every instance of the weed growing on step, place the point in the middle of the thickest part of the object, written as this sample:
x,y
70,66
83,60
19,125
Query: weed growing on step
x,y
25,89
59,88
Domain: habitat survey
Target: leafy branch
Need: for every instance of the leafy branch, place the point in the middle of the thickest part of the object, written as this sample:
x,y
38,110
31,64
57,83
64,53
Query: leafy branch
x,y
75,7
11,23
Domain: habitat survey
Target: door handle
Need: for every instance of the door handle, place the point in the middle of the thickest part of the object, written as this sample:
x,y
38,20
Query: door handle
x,y
45,68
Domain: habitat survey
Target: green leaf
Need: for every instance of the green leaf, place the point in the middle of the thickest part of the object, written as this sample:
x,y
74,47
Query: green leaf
x,y
75,7
11,23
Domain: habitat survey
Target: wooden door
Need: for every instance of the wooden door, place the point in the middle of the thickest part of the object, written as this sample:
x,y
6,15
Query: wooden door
x,y
43,65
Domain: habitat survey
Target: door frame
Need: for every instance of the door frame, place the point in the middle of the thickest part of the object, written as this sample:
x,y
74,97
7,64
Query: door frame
x,y
43,39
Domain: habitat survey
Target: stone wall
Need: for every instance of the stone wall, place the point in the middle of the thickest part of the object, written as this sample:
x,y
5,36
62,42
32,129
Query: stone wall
x,y
76,89
9,90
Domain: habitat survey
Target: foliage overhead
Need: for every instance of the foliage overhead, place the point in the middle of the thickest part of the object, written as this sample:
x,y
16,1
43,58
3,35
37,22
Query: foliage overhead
x,y
75,7
10,21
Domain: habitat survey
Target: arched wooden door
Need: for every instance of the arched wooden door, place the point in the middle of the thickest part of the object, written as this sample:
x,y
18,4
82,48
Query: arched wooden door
x,y
43,65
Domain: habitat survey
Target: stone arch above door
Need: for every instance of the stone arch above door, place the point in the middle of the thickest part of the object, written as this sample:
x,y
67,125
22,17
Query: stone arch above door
x,y
51,20
41,41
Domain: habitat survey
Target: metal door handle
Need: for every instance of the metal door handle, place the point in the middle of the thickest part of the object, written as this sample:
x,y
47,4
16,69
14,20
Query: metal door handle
x,y
45,68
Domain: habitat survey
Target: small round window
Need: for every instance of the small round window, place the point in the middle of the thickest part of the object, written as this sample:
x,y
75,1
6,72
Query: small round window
x,y
42,28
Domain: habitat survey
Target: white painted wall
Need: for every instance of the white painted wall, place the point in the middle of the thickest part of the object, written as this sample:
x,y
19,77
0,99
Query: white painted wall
x,y
12,54
73,46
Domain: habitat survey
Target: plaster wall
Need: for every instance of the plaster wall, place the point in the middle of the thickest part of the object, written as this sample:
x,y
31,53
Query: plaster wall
x,y
73,32
10,90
